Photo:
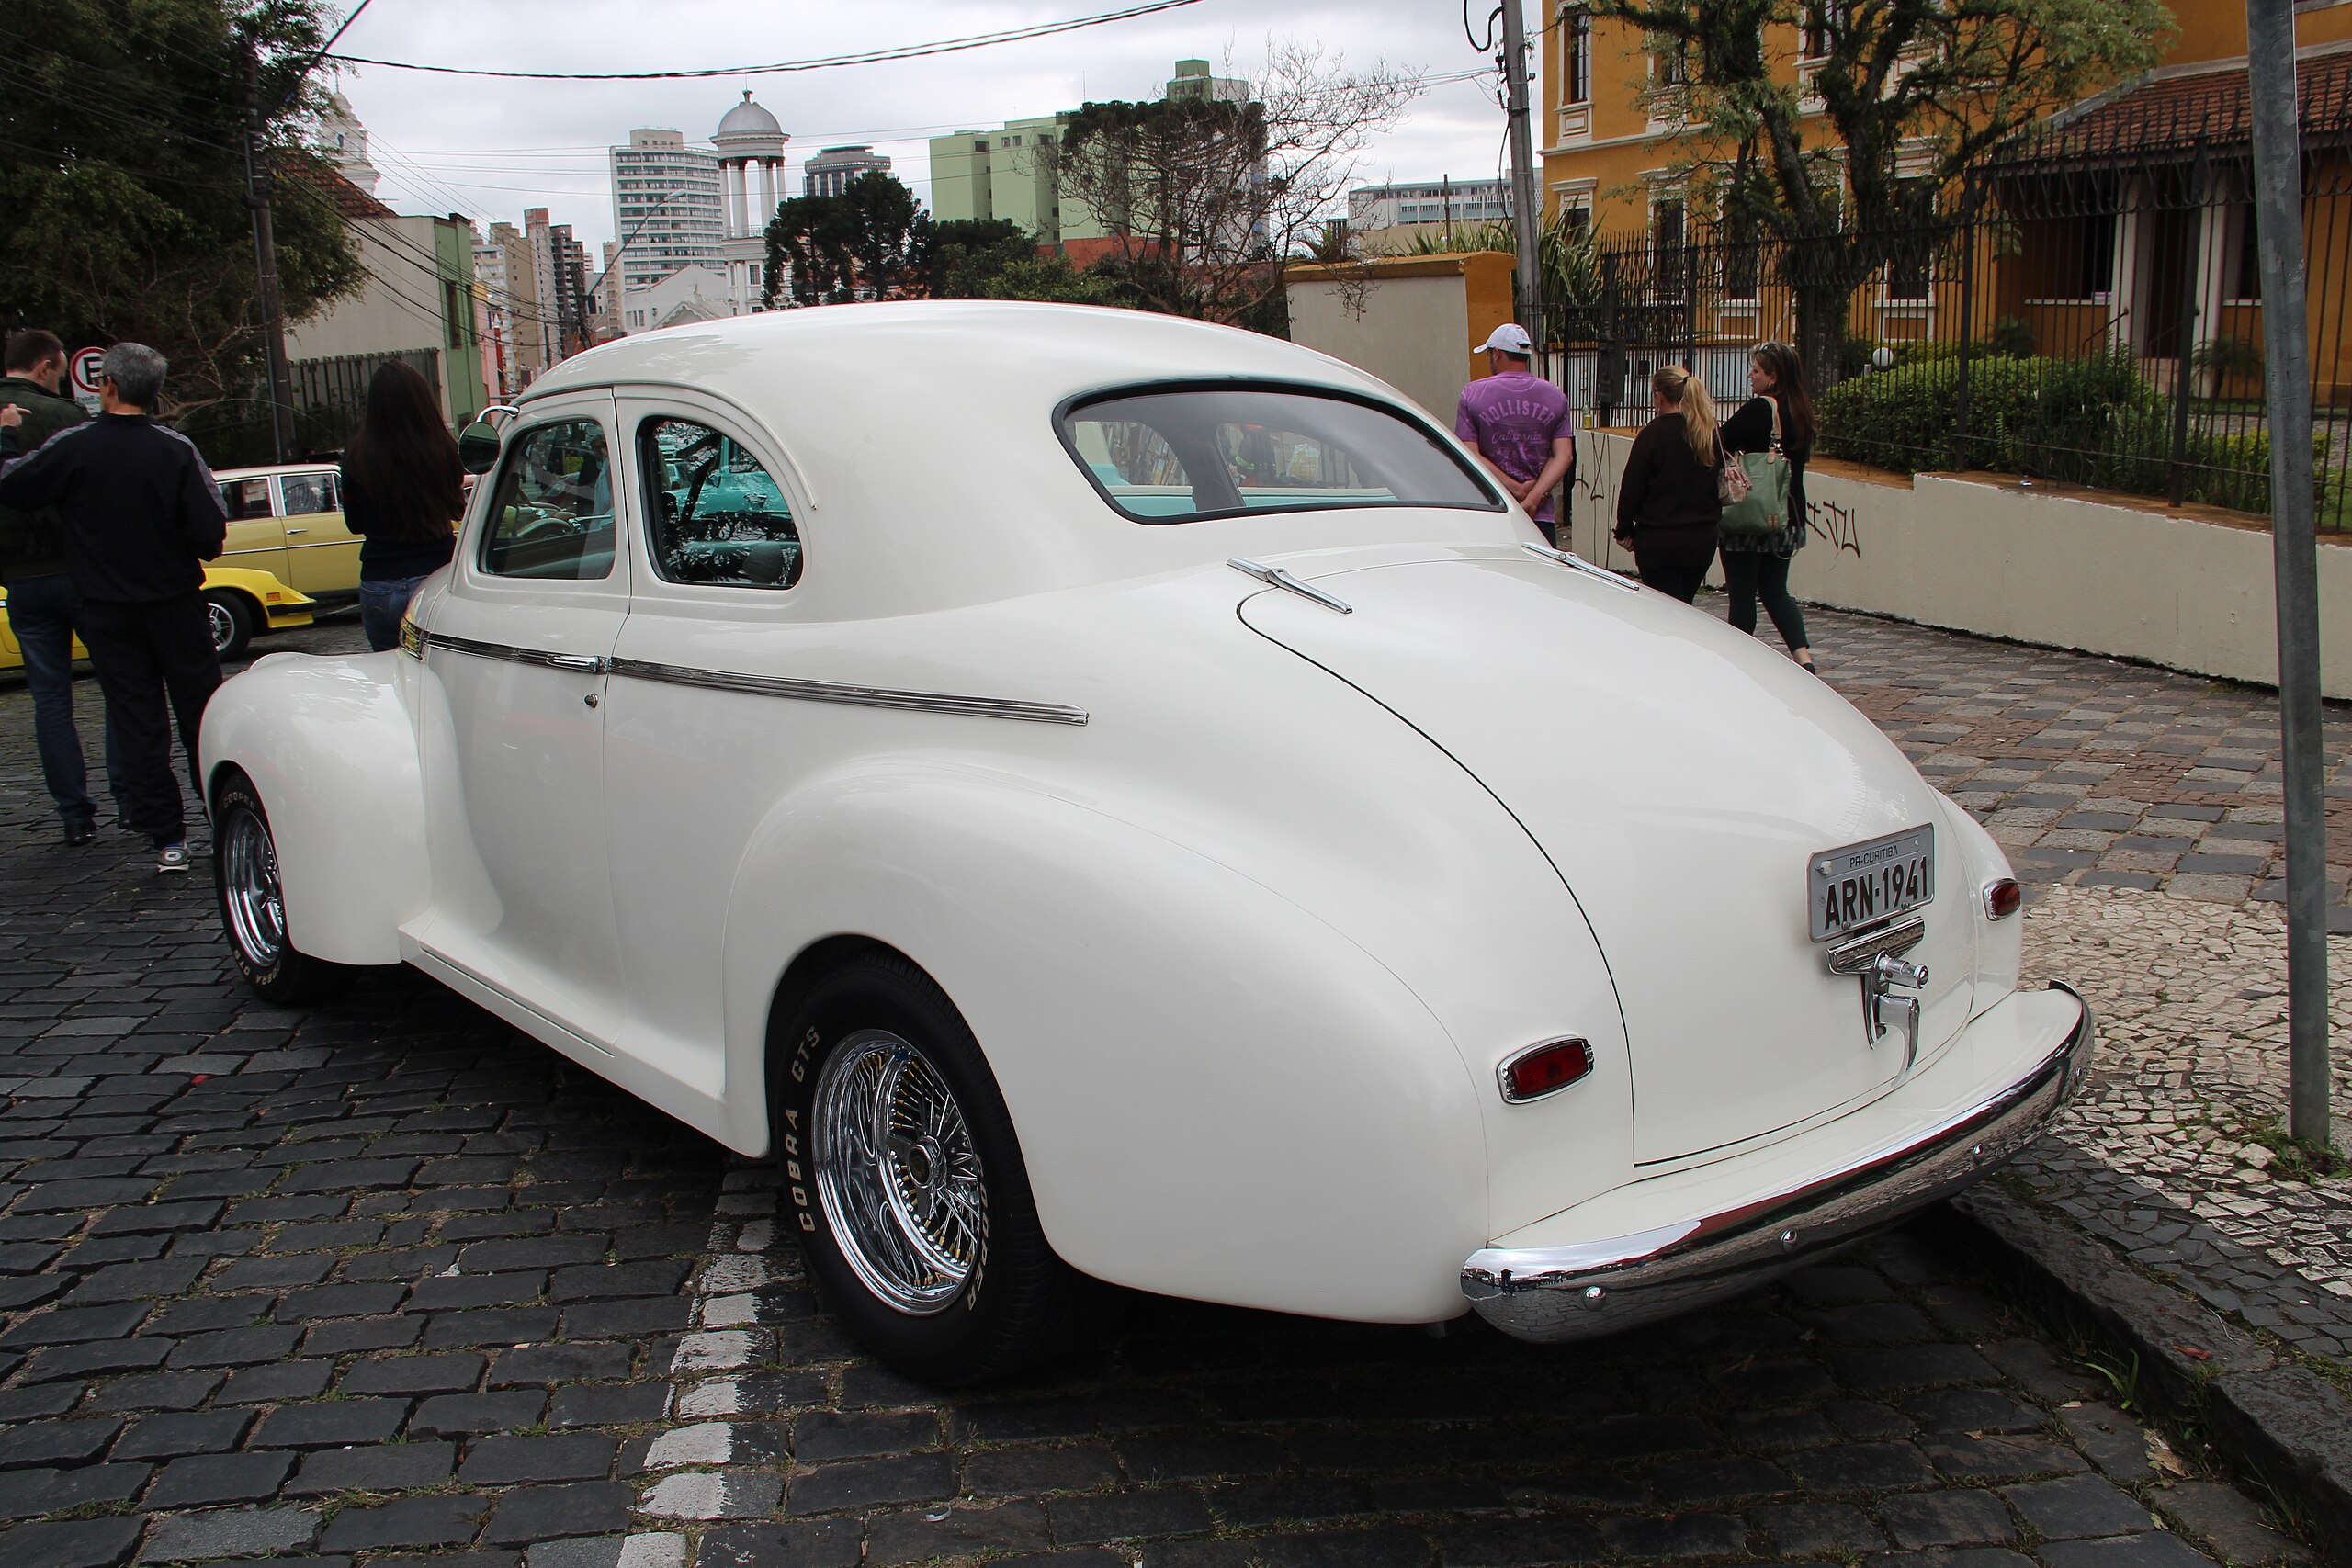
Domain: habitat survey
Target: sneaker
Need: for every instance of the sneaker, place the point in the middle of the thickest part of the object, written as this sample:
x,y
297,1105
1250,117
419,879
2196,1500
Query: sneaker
x,y
170,858
78,833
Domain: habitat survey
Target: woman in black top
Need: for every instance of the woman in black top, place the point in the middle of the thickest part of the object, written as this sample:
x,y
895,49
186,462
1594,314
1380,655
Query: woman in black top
x,y
1667,505
402,490
1756,565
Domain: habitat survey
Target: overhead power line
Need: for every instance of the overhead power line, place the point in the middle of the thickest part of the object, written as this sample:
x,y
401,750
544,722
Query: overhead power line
x,y
823,63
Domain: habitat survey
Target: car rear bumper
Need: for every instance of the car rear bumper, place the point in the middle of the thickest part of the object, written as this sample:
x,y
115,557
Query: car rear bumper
x,y
1584,1289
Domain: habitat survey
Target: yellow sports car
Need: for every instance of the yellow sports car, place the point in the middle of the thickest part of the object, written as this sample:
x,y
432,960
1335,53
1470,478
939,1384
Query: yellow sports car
x,y
240,600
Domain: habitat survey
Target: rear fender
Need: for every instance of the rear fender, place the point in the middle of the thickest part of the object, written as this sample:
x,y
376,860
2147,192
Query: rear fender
x,y
1217,1094
330,745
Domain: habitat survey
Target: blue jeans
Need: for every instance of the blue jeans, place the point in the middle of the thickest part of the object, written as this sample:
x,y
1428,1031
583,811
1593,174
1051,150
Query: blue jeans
x,y
44,612
381,604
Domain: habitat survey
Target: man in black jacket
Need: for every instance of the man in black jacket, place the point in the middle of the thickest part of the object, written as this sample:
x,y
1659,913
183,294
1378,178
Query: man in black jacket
x,y
43,610
141,515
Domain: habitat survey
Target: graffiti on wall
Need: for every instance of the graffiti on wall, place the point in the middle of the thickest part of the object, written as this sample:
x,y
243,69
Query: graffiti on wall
x,y
1834,523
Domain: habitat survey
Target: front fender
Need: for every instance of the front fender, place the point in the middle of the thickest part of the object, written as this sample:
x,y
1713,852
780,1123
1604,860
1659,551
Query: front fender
x,y
1217,1094
330,745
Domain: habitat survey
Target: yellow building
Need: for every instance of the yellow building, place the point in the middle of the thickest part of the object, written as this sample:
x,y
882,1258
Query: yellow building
x,y
1605,155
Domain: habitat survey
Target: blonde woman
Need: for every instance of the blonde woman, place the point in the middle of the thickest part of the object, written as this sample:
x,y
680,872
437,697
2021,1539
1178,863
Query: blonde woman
x,y
1667,506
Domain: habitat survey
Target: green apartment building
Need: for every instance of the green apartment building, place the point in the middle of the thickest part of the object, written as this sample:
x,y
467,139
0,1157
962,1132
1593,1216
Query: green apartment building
x,y
1009,172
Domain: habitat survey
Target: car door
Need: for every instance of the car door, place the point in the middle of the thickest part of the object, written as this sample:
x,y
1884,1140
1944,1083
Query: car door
x,y
514,769
693,766
321,552
257,535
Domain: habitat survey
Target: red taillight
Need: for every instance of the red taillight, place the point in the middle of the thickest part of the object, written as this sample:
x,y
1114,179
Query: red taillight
x,y
2002,898
1555,1066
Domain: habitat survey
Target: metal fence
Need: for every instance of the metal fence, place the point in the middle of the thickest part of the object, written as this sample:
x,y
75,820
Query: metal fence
x,y
2085,307
331,393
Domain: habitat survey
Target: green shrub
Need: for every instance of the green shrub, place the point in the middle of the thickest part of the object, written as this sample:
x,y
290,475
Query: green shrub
x,y
2094,421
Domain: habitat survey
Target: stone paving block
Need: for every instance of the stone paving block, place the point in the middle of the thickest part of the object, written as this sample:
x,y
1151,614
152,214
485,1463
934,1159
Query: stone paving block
x,y
500,1460
187,1432
608,1404
55,1442
375,1467
460,1415
812,1543
1684,1535
232,1532
81,1543
1508,1543
2078,1505
455,1373
539,1364
272,1384
2153,1550
332,1424
537,1513
1130,1515
1946,1518
410,1521
202,1479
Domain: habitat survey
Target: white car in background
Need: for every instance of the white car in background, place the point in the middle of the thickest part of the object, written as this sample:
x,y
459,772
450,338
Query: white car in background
x,y
1097,793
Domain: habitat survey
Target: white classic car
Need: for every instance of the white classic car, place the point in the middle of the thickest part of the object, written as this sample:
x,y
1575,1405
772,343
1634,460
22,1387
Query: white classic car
x,y
1093,793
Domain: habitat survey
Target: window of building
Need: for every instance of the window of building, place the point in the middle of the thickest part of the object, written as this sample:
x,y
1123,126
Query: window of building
x,y
717,516
1669,257
1825,23
2244,275
551,515
1576,58
1670,62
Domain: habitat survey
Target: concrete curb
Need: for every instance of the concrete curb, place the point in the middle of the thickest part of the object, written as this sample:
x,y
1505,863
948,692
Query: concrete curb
x,y
2268,1415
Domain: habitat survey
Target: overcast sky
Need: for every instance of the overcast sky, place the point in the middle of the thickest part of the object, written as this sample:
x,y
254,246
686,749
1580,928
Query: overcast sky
x,y
489,149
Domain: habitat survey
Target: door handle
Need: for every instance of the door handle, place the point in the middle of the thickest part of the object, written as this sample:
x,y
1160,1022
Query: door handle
x,y
580,663
291,531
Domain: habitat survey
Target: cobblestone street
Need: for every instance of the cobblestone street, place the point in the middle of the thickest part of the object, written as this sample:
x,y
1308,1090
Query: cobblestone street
x,y
381,1281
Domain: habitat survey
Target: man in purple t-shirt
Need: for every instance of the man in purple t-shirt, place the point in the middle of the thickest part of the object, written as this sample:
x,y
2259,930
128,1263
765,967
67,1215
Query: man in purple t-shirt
x,y
1520,425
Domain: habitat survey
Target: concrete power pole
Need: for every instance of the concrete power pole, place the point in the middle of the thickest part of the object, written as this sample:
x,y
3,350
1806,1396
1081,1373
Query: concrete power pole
x,y
1526,209
2278,224
272,308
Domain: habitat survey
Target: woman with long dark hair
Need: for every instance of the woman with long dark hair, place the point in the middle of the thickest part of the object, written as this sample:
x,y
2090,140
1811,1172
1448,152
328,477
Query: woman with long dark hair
x,y
1667,509
1756,566
402,490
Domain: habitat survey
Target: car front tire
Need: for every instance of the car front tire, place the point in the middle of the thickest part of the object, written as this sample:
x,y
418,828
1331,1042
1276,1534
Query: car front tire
x,y
232,620
905,1182
252,909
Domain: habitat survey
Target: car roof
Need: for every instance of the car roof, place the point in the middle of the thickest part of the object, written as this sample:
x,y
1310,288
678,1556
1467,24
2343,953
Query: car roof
x,y
263,471
935,419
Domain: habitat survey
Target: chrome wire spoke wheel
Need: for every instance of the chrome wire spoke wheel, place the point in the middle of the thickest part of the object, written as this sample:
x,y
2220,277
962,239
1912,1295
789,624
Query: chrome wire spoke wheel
x,y
249,890
223,625
898,1177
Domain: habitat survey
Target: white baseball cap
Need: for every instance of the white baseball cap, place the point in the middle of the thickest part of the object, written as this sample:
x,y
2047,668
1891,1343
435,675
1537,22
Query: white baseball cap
x,y
1510,337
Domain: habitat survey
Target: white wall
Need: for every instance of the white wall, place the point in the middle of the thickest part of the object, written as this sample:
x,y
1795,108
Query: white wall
x,y
2006,559
1411,334
400,308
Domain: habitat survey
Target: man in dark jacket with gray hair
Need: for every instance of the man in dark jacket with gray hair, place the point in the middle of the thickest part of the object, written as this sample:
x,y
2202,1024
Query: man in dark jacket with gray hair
x,y
43,610
141,516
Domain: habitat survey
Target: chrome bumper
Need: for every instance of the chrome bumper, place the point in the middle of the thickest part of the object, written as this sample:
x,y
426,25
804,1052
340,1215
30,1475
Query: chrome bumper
x,y
1594,1288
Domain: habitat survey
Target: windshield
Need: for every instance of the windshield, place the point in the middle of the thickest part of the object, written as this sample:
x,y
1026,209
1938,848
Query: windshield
x,y
1186,453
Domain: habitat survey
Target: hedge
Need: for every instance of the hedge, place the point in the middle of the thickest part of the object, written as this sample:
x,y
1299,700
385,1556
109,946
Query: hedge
x,y
2093,421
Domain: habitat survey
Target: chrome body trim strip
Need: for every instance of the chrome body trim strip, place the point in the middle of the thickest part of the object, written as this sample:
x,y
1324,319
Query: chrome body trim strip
x,y
1592,1288
1276,577
417,640
850,696
1576,562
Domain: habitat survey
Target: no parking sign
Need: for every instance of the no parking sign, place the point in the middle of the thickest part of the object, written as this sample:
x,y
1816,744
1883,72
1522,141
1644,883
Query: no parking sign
x,y
81,370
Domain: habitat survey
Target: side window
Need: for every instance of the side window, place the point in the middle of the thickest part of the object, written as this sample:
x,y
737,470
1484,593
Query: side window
x,y
309,494
551,515
1135,464
717,516
241,499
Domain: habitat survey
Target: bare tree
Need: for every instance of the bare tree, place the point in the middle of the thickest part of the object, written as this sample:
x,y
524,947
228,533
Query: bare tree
x,y
1205,197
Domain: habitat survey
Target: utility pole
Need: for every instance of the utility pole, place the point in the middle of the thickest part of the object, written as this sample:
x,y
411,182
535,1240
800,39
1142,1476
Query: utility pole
x,y
2278,215
273,310
1526,213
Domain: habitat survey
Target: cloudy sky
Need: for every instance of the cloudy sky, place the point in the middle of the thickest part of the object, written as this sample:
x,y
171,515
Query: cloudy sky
x,y
489,149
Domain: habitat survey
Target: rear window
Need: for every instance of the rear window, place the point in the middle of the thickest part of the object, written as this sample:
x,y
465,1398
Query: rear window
x,y
1181,454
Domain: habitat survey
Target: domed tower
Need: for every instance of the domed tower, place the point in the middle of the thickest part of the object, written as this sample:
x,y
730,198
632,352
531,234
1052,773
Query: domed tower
x,y
751,160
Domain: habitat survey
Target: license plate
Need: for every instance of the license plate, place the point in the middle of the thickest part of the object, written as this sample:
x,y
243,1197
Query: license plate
x,y
1864,883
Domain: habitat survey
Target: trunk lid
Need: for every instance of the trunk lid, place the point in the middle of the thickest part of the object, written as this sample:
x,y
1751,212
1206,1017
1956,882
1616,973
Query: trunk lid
x,y
1682,778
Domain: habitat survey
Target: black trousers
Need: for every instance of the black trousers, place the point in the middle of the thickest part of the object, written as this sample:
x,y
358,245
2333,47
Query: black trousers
x,y
156,663
1760,574
1674,560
